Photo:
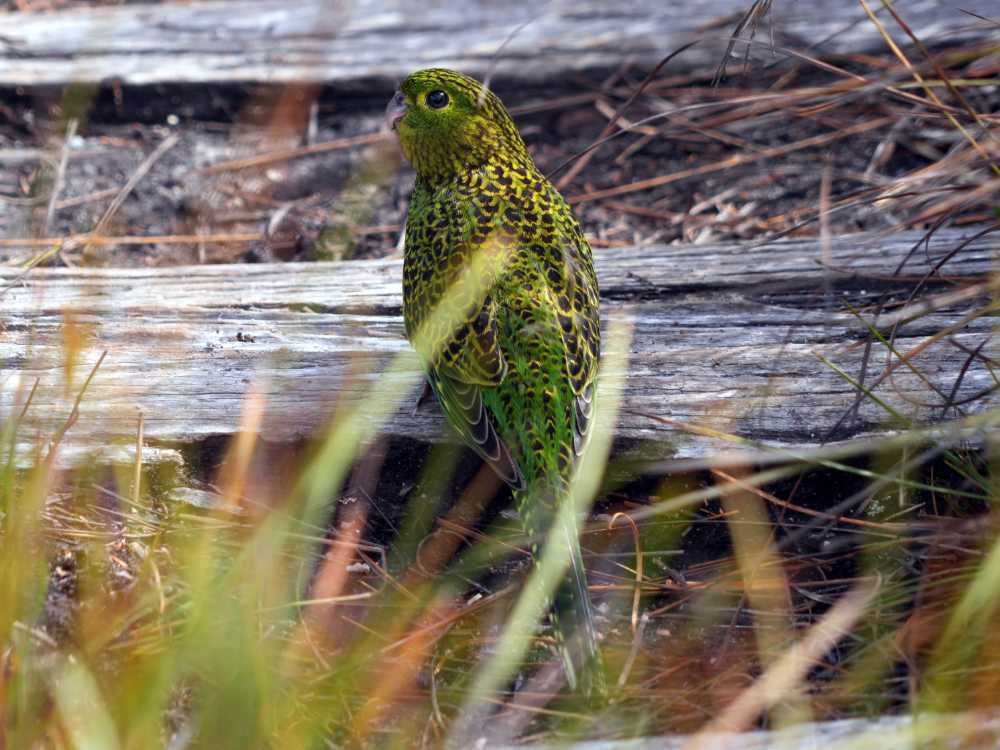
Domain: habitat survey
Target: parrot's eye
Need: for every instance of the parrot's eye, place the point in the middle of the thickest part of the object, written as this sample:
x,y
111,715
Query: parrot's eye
x,y
436,99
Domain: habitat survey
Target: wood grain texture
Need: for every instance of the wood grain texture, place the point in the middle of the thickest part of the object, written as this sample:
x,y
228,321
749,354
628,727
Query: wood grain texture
x,y
898,732
726,336
320,40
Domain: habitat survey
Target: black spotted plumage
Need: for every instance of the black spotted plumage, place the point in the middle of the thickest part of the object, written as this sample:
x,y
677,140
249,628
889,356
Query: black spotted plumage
x,y
500,299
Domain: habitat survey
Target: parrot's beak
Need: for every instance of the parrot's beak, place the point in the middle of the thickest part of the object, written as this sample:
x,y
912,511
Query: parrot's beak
x,y
396,110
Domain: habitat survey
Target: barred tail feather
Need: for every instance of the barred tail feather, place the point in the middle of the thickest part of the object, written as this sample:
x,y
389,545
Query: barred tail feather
x,y
573,621
571,612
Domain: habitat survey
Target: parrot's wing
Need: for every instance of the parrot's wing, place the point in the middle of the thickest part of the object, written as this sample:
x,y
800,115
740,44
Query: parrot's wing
x,y
456,332
573,285
577,304
469,360
462,403
471,351
584,413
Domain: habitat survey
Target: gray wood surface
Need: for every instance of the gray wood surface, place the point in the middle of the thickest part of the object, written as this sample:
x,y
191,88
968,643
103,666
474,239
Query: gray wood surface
x,y
726,336
951,731
325,40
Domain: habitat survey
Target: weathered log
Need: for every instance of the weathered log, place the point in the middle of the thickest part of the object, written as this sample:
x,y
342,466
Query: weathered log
x,y
898,732
316,40
728,337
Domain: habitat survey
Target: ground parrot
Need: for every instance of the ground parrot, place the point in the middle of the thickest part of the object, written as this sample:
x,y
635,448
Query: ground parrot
x,y
500,300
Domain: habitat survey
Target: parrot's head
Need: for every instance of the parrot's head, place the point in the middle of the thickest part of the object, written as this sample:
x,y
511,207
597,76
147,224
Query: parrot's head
x,y
449,123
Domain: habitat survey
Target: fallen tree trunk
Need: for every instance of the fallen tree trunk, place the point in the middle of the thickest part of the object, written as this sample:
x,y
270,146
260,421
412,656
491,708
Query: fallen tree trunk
x,y
758,342
898,732
243,41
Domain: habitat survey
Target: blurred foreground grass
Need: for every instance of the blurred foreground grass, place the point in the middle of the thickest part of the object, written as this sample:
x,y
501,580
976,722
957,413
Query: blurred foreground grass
x,y
270,618
131,620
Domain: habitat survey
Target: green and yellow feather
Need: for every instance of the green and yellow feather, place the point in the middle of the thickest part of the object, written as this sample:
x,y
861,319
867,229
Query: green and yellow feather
x,y
514,363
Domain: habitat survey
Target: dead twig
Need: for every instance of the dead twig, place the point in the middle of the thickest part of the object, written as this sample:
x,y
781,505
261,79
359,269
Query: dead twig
x,y
638,564
732,161
155,239
584,157
140,172
294,153
60,175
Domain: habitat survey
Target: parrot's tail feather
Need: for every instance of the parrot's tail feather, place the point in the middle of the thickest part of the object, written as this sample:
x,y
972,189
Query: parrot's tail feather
x,y
578,581
574,622
543,512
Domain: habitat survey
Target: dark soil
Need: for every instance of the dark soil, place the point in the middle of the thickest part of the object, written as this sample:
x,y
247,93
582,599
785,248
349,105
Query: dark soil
x,y
350,202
